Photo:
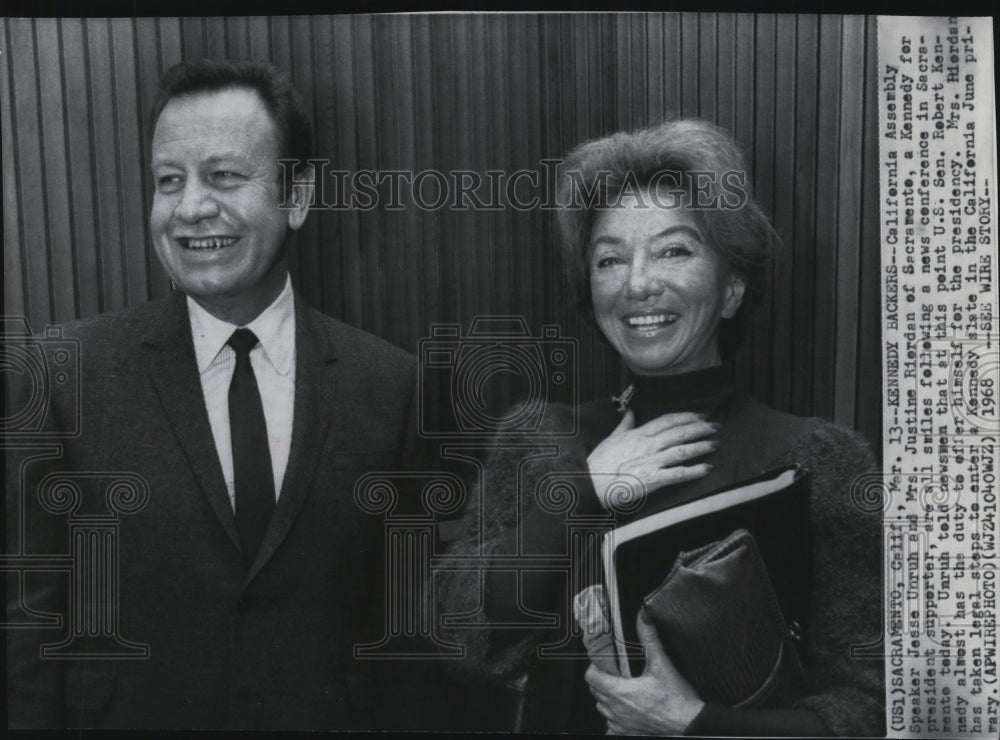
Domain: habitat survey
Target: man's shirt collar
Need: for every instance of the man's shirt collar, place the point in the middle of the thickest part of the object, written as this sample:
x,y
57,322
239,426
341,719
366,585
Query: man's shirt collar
x,y
275,328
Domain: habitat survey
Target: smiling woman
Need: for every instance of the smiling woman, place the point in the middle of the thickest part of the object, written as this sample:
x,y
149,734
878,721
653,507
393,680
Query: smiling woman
x,y
687,174
659,289
669,268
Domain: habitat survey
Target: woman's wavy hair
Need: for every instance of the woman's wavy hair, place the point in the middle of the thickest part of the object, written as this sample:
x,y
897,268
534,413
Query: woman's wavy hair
x,y
701,166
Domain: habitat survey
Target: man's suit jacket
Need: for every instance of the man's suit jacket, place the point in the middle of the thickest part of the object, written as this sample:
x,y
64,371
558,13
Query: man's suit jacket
x,y
268,647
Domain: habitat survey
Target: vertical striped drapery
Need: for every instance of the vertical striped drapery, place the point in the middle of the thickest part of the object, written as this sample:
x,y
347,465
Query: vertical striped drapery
x,y
467,92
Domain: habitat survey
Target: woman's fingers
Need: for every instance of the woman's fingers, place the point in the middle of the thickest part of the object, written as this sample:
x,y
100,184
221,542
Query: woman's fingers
x,y
627,423
682,434
656,453
665,431
681,453
668,421
676,474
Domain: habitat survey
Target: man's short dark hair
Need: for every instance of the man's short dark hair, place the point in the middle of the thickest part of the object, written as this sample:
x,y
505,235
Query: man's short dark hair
x,y
282,100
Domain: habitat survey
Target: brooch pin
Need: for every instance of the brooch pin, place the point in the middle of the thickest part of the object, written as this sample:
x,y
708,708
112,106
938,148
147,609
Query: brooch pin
x,y
623,400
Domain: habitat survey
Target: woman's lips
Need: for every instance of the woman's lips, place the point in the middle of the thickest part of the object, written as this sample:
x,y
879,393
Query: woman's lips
x,y
649,321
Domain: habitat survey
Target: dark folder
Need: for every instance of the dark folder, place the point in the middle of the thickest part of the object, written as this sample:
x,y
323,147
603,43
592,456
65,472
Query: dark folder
x,y
772,511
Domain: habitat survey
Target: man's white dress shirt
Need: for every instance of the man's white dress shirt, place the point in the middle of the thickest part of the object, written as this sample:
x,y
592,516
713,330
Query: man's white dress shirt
x,y
273,362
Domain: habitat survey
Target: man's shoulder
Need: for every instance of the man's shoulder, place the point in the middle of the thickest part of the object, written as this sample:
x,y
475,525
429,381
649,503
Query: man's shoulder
x,y
149,318
112,327
358,346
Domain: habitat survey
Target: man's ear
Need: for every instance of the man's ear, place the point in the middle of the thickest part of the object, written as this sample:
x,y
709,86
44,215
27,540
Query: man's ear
x,y
301,197
735,288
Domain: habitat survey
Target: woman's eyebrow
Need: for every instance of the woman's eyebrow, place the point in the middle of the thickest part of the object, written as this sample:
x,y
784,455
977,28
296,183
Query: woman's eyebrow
x,y
669,231
680,228
604,239
161,161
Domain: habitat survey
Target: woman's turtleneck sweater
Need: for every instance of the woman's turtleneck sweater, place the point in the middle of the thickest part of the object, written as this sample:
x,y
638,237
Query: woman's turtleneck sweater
x,y
845,588
708,391
751,439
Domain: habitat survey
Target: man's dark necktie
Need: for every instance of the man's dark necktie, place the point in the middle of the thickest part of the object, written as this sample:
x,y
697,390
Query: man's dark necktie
x,y
253,476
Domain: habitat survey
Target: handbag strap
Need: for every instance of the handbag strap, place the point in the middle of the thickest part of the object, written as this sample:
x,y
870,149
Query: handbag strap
x,y
765,687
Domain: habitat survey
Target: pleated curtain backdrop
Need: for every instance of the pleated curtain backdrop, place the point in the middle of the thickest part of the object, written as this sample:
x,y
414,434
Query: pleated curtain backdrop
x,y
468,92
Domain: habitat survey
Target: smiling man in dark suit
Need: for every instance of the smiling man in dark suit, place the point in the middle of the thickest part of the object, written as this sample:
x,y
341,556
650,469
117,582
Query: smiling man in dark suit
x,y
246,568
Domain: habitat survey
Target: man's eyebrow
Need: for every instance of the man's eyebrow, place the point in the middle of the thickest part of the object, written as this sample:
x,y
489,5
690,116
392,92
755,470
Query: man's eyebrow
x,y
232,156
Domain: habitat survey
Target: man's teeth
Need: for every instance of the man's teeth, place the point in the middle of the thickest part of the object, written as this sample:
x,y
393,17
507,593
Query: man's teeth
x,y
656,319
212,242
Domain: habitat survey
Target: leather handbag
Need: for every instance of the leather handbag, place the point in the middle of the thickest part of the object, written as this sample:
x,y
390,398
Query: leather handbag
x,y
720,622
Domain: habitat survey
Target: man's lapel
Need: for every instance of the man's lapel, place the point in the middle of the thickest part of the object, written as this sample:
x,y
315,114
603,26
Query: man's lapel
x,y
315,397
169,347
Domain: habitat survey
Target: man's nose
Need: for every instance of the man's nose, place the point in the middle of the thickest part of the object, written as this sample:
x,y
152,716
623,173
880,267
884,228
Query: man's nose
x,y
197,202
643,281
